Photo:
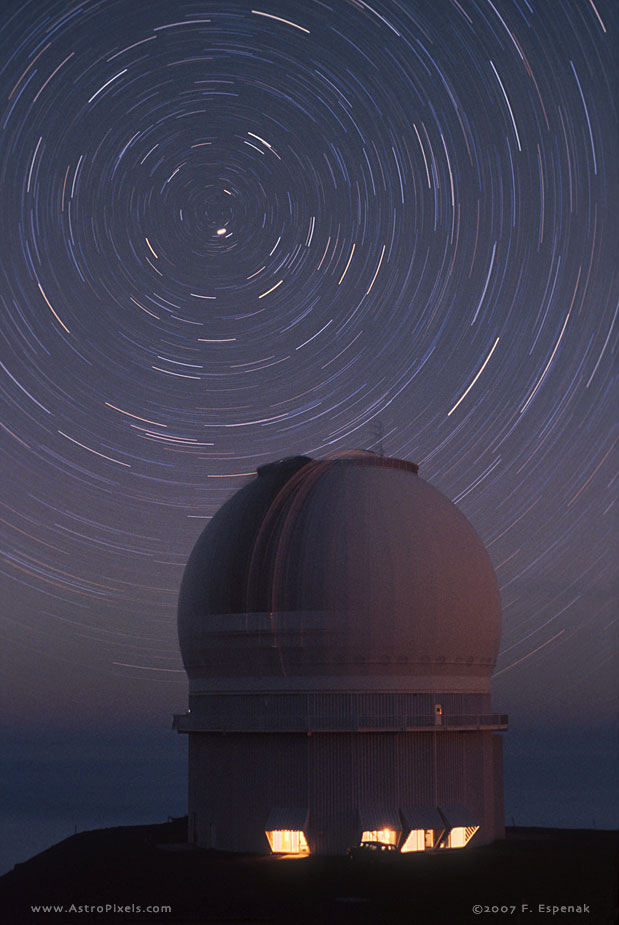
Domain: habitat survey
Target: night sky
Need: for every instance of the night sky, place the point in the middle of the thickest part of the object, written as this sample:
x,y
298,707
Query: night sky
x,y
231,234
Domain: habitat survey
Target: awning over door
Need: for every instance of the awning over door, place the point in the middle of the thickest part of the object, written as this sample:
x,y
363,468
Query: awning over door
x,y
287,818
458,816
375,818
422,817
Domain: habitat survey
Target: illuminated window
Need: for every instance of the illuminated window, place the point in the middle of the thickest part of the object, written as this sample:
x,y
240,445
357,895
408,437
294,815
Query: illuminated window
x,y
288,841
461,823
426,828
415,841
460,836
422,840
285,829
384,836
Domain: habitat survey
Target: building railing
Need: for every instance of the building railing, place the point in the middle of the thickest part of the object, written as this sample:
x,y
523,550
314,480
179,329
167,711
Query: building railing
x,y
189,722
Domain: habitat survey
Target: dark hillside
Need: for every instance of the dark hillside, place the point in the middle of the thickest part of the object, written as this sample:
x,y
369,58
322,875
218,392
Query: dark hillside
x,y
147,866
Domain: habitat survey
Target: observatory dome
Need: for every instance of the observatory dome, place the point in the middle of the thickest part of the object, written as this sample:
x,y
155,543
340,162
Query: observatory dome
x,y
348,573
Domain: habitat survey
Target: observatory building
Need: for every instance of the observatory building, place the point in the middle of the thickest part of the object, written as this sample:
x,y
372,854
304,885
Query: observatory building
x,y
339,621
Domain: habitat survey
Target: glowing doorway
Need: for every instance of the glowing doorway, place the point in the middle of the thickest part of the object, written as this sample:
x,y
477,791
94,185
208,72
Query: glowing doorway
x,y
288,841
425,827
384,836
285,829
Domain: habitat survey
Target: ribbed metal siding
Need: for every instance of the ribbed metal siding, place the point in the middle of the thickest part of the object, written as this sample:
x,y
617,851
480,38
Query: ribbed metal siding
x,y
452,767
242,778
333,805
236,780
292,818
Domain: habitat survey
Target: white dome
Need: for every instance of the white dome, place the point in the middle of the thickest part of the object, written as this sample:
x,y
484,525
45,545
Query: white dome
x,y
339,574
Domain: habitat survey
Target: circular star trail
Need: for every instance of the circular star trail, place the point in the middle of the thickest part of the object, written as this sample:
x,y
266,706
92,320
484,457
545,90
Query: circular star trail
x,y
233,232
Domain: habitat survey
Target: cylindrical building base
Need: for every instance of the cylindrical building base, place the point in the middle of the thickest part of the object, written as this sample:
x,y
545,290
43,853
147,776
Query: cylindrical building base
x,y
335,782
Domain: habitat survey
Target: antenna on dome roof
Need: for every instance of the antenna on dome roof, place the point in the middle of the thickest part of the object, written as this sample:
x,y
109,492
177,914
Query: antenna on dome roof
x,y
378,431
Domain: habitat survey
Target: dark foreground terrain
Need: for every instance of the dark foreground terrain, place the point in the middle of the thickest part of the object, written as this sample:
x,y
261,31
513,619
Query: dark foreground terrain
x,y
123,874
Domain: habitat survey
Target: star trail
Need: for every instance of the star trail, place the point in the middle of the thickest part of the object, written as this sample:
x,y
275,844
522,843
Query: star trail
x,y
233,234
